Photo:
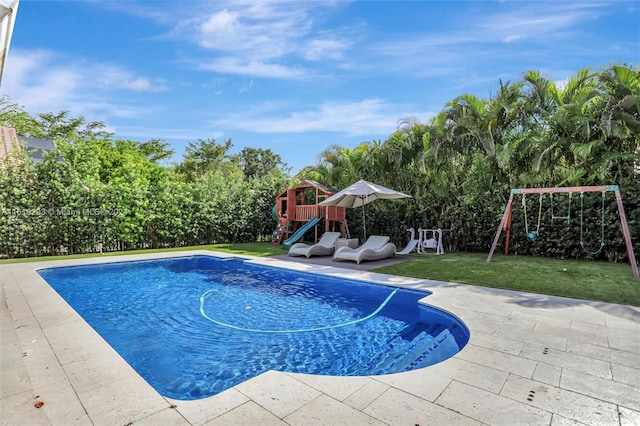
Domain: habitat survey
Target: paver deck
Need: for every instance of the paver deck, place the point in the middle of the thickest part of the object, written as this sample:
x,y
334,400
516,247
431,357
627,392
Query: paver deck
x,y
531,360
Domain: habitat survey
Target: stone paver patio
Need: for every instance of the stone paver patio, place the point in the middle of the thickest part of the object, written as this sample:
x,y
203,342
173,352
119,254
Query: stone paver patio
x,y
531,360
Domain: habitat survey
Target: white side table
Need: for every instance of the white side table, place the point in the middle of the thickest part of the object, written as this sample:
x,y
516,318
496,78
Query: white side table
x,y
346,242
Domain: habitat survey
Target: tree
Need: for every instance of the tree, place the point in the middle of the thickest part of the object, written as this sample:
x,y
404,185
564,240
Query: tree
x,y
459,169
202,156
156,150
13,115
616,114
258,162
62,126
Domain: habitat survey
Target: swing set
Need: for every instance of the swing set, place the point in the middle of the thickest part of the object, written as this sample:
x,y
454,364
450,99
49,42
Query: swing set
x,y
532,235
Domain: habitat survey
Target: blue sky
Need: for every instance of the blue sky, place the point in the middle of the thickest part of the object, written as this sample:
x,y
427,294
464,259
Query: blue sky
x,y
295,77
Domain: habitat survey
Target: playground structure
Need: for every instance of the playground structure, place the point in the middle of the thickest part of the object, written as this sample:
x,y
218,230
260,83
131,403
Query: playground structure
x,y
427,241
297,212
505,223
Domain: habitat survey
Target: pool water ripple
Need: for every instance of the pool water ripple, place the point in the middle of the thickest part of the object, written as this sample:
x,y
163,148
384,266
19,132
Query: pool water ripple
x,y
151,312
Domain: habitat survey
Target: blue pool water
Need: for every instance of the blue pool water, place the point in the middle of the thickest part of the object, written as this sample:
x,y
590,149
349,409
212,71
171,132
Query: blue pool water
x,y
195,326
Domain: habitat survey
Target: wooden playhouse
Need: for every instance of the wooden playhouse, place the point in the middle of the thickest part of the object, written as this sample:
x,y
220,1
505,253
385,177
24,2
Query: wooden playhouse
x,y
297,211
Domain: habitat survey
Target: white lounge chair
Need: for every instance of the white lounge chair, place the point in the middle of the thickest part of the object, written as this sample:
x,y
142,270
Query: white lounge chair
x,y
375,248
324,247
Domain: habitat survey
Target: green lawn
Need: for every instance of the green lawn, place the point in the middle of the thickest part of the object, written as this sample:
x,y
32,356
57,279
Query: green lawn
x,y
606,282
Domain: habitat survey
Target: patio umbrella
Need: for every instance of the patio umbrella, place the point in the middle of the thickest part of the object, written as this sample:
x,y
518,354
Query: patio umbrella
x,y
361,193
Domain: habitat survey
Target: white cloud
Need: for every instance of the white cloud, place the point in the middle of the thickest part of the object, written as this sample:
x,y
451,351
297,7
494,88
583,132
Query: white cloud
x,y
264,31
27,84
44,81
262,40
319,49
141,84
247,86
472,41
107,76
231,65
170,133
370,116
512,38
539,20
221,24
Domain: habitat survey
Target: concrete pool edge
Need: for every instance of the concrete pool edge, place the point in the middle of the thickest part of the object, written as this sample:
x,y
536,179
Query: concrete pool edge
x,y
57,357
66,359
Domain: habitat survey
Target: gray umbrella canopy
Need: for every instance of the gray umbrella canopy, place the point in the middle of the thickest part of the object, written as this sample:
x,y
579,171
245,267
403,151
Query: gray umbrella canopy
x,y
361,193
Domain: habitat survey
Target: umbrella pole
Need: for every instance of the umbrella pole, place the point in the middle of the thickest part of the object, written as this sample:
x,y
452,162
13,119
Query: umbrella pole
x,y
364,224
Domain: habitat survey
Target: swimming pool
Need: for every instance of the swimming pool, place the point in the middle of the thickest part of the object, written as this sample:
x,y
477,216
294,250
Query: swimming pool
x,y
195,326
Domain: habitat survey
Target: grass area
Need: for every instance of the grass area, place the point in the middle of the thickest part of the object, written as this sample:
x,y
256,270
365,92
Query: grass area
x,y
606,282
253,249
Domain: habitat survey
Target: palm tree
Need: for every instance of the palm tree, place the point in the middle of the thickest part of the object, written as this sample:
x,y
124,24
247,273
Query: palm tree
x,y
617,117
557,119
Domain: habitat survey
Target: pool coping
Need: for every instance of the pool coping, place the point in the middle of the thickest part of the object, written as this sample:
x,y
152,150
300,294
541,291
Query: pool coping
x,y
537,359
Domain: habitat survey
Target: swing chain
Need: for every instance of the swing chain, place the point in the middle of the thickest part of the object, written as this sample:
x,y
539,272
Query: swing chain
x,y
533,235
539,212
524,207
567,217
592,253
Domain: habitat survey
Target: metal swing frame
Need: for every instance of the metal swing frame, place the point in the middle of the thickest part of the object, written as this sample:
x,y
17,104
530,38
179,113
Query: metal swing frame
x,y
505,223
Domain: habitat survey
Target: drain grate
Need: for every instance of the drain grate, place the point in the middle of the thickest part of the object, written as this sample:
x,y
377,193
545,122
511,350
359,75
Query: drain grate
x,y
532,394
545,351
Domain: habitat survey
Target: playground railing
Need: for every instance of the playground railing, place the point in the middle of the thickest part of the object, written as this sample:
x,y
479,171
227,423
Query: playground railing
x,y
308,212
